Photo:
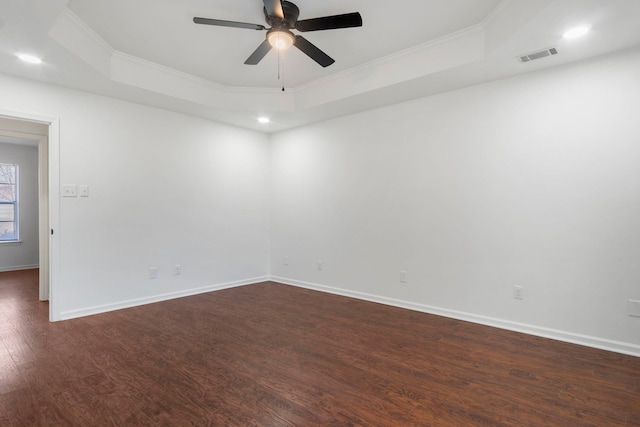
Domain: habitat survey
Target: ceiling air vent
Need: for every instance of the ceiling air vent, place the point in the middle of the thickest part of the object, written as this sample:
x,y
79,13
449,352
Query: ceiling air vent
x,y
538,55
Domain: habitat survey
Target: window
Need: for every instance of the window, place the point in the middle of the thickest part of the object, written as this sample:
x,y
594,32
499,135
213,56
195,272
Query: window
x,y
8,202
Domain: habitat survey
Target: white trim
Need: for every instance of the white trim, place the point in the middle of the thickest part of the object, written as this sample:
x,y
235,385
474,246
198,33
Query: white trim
x,y
18,268
72,314
83,28
77,37
172,72
43,217
54,217
555,334
494,13
409,52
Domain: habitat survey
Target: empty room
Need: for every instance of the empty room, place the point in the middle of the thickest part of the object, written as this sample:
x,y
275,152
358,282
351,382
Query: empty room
x,y
319,213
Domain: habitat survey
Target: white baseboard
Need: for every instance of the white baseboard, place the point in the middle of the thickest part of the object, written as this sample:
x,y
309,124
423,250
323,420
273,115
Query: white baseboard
x,y
72,314
570,337
19,267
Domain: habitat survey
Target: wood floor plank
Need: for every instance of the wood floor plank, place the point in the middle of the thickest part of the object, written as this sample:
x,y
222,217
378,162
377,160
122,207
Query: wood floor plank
x,y
275,355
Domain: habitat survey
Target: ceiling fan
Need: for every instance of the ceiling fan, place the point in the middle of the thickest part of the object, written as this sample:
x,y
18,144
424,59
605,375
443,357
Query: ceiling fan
x,y
282,16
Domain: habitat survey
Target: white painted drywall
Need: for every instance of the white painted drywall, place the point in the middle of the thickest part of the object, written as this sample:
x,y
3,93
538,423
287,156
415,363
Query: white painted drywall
x,y
164,189
532,181
24,255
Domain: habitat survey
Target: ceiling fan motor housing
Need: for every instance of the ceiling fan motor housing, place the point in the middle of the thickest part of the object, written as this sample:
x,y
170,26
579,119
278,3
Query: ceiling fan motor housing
x,y
291,13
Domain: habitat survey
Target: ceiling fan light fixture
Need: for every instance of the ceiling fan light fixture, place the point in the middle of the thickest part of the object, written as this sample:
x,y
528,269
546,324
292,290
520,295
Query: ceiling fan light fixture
x,y
282,17
281,39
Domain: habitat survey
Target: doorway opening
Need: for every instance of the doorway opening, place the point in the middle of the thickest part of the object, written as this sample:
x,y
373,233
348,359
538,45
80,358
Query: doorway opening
x,y
29,131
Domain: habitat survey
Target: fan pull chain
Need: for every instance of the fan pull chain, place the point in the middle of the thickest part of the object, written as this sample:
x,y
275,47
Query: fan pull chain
x,y
283,73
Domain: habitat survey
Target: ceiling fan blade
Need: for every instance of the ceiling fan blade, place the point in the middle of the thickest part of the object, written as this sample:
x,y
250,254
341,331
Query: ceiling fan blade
x,y
274,8
259,53
234,24
313,52
347,20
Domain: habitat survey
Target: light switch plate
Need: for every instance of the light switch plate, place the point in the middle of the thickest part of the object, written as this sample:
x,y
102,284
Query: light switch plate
x,y
518,292
84,190
69,190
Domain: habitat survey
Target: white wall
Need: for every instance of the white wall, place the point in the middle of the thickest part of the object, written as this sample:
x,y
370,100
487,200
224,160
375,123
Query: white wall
x,y
532,181
165,189
24,255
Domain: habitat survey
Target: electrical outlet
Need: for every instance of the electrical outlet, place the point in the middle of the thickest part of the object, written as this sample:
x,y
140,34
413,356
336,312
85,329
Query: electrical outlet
x,y
319,265
153,272
403,276
633,308
518,292
177,269
84,190
285,260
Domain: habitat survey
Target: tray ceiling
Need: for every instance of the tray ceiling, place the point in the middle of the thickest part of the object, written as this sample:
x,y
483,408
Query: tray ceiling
x,y
149,51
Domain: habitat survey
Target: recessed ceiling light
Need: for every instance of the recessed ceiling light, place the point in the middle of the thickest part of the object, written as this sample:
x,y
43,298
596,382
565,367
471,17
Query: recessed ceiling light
x,y
264,120
29,58
576,32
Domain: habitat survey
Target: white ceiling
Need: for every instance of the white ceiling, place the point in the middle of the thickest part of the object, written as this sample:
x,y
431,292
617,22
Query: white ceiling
x,y
150,51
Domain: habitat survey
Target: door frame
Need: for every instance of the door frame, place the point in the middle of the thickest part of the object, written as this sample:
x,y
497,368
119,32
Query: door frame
x,y
48,216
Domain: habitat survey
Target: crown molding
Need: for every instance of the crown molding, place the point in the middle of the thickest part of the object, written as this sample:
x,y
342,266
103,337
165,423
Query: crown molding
x,y
137,72
448,52
396,56
78,38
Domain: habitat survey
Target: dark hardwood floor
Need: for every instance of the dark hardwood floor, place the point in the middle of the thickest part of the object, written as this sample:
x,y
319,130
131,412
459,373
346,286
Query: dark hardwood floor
x,y
274,355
